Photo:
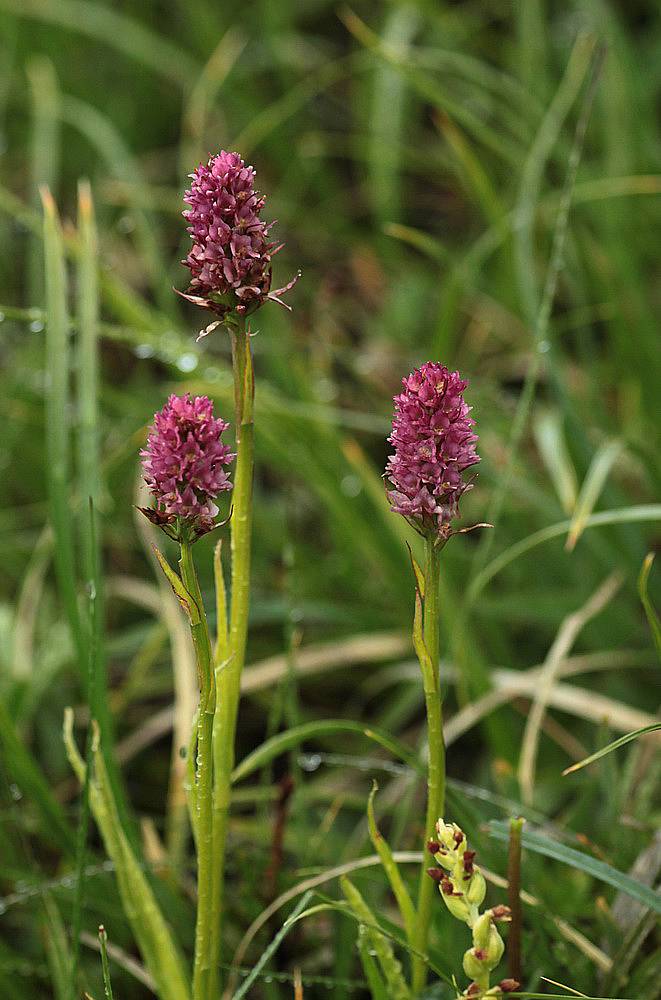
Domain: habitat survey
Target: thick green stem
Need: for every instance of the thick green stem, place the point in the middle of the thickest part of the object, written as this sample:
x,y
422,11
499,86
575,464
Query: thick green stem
x,y
229,672
436,762
203,779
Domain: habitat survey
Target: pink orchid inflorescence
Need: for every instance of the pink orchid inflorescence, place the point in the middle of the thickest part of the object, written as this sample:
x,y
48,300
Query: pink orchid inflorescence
x,y
230,259
183,466
434,442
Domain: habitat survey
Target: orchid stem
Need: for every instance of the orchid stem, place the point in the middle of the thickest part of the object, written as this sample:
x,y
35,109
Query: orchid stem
x,y
229,672
436,760
203,772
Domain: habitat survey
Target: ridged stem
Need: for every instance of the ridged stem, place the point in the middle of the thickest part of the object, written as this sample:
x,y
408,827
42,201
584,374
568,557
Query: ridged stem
x,y
436,761
228,676
204,780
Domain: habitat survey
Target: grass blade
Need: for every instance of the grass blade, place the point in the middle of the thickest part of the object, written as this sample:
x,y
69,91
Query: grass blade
x,y
284,741
390,867
87,365
538,843
57,949
273,947
623,515
590,491
615,745
391,967
152,934
387,118
57,429
552,448
44,160
652,617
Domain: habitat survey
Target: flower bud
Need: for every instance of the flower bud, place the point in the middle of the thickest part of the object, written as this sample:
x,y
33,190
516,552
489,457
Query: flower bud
x,y
475,967
458,907
476,889
481,929
487,940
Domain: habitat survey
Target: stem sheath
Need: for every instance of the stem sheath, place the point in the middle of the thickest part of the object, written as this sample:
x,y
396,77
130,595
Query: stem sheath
x,y
204,779
436,763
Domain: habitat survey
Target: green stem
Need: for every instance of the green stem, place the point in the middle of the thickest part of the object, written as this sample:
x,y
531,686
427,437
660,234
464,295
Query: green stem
x,y
204,779
229,672
514,899
436,762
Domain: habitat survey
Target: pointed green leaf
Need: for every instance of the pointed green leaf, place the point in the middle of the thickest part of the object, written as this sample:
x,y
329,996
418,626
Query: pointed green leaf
x,y
590,491
391,967
180,592
417,572
540,844
553,451
284,741
615,745
390,867
652,616
152,934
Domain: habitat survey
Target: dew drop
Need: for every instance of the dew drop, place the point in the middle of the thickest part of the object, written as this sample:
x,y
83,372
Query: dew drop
x,y
188,362
311,761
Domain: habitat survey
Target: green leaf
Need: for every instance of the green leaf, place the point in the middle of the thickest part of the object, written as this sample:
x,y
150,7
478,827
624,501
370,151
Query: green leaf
x,y
652,616
552,448
615,745
57,950
273,946
57,430
390,966
315,730
372,975
417,572
152,934
623,515
590,491
540,844
185,599
390,867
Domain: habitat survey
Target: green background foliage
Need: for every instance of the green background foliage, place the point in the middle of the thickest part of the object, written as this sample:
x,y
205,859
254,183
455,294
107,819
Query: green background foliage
x,y
475,183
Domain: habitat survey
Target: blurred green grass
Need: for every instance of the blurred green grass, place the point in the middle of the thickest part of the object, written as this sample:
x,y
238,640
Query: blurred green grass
x,y
415,156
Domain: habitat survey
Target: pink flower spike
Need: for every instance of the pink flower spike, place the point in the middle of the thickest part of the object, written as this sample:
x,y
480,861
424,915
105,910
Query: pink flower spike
x,y
230,259
434,443
183,465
